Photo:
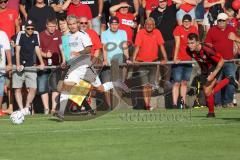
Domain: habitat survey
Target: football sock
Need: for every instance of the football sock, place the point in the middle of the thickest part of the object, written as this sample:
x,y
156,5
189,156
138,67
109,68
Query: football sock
x,y
220,85
210,103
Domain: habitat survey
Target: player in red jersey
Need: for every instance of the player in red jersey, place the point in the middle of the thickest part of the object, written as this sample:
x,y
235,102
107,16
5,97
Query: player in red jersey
x,y
210,63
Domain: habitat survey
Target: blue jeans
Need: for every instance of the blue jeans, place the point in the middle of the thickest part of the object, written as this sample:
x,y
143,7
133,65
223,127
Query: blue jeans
x,y
225,95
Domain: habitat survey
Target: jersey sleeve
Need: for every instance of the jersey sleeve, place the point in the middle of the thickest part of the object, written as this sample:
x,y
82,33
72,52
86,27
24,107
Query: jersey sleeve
x,y
18,39
212,54
6,43
86,41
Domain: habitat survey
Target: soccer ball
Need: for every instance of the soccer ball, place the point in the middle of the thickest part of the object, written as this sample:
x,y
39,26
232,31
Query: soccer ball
x,y
17,117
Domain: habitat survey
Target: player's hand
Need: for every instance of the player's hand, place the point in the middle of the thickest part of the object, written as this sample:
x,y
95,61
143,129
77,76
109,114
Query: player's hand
x,y
19,68
75,54
211,77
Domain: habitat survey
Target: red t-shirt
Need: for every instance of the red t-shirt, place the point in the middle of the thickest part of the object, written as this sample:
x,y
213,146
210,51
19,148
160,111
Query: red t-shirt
x,y
126,21
95,40
187,7
81,10
180,31
51,43
13,4
151,4
7,21
219,40
148,43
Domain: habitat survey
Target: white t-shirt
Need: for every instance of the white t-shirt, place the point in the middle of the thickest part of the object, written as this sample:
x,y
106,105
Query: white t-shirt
x,y
78,41
4,45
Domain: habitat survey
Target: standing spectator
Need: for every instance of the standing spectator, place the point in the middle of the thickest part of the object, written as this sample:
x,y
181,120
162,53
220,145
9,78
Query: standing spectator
x,y
96,7
97,46
51,47
149,6
207,5
65,37
126,22
147,42
39,15
80,10
165,20
186,7
217,36
9,19
26,5
181,72
5,52
115,46
60,7
27,45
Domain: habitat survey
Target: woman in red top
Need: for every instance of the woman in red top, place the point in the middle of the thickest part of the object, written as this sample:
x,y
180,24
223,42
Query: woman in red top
x,y
181,72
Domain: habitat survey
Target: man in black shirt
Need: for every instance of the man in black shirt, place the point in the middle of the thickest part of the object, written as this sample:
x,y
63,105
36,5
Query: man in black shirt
x,y
39,15
60,7
165,19
26,5
27,44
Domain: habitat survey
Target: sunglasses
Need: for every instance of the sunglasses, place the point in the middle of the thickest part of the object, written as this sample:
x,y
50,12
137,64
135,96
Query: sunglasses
x,y
84,23
32,29
221,20
1,2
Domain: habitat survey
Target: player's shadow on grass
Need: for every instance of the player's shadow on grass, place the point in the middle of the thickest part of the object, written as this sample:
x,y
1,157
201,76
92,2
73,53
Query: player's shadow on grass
x,y
231,119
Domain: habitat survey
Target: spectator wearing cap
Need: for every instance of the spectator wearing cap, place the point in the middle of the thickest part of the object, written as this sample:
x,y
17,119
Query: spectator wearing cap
x,y
9,19
181,73
207,5
5,53
220,37
115,47
96,7
52,53
126,19
148,40
80,10
39,15
27,45
96,43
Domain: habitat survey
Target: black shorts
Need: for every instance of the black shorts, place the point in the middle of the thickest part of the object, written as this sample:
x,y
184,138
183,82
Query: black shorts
x,y
203,78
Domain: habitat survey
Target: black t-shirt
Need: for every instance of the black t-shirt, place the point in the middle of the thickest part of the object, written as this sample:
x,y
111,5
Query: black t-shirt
x,y
29,3
165,21
93,4
57,2
40,15
27,44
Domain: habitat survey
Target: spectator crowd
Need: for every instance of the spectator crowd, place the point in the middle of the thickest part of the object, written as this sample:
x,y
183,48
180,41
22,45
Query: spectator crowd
x,y
51,32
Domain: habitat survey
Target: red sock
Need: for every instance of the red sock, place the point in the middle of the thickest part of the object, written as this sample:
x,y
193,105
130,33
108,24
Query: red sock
x,y
210,103
220,85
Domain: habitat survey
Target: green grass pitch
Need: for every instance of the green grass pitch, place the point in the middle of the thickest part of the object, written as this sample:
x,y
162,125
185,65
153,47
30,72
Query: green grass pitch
x,y
125,135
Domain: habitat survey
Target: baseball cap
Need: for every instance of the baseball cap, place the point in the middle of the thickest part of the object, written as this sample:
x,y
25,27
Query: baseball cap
x,y
114,19
187,17
29,23
222,16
